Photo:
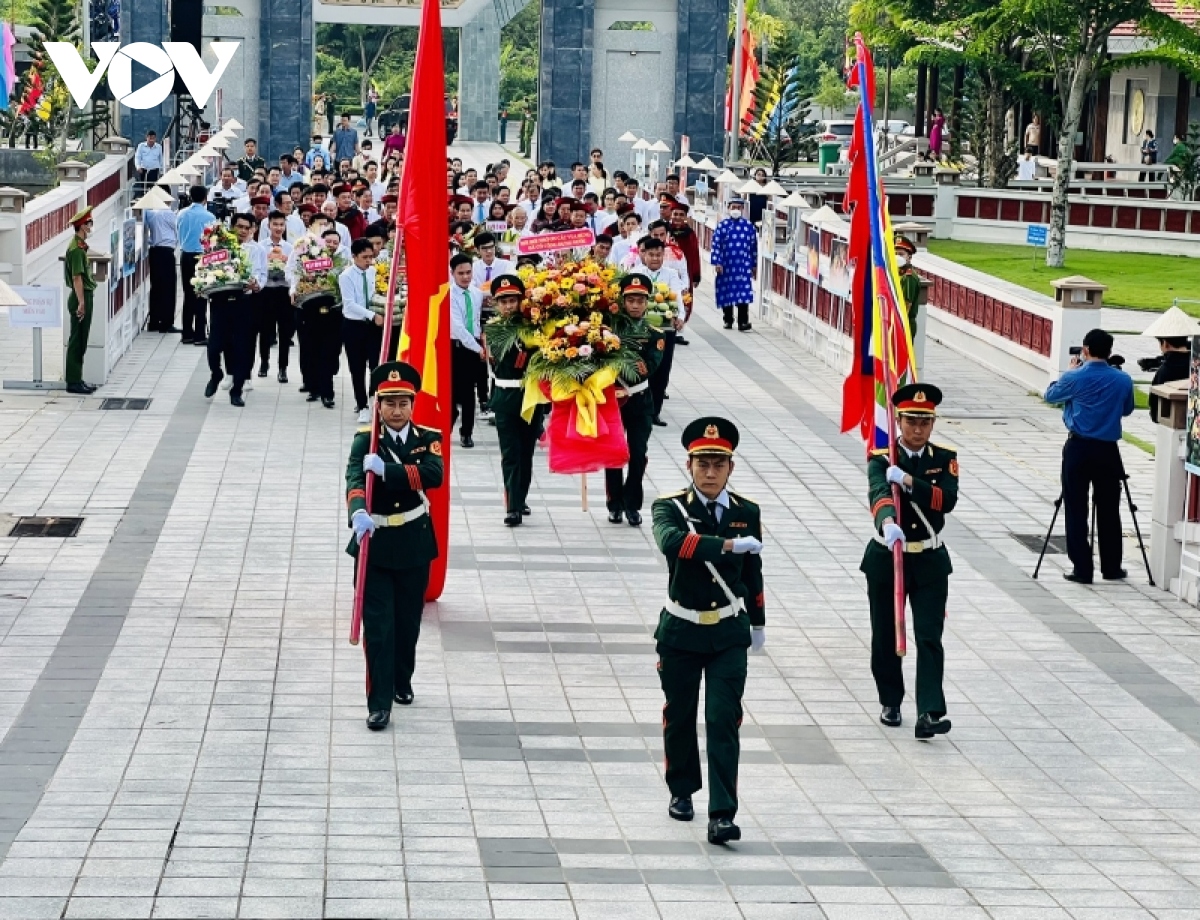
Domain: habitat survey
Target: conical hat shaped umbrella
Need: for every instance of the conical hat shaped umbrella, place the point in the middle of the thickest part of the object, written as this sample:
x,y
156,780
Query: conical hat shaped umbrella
x,y
1173,324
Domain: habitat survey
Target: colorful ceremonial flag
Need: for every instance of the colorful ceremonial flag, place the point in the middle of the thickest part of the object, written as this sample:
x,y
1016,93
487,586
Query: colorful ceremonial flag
x,y
425,335
750,75
882,340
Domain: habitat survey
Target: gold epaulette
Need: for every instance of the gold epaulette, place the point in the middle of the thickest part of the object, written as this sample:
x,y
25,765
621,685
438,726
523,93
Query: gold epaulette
x,y
679,494
739,495
426,428
365,429
880,452
953,450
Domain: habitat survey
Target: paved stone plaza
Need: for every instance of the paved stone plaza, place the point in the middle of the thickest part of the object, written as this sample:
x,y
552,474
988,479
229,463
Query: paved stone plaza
x,y
181,716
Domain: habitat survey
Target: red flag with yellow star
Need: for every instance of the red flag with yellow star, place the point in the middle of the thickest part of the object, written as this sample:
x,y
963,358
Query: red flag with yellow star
x,y
425,335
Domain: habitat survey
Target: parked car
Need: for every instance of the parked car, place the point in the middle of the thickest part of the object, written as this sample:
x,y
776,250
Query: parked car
x,y
397,111
839,129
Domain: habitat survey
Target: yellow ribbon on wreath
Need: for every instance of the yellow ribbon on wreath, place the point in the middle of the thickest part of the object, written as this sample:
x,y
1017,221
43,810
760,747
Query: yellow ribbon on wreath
x,y
588,395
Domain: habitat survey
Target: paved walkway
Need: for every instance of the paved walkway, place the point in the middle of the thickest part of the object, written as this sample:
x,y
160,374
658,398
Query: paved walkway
x,y
181,717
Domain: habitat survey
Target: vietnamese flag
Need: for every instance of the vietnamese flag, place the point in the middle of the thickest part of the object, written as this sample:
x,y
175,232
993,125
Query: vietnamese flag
x,y
425,335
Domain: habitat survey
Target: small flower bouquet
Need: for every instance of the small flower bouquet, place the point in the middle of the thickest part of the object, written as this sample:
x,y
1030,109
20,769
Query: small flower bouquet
x,y
379,297
664,305
224,266
276,265
316,270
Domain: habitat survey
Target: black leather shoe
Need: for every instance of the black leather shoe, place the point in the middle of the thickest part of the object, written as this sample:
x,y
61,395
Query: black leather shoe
x,y
681,808
200,342
303,388
235,399
378,720
166,330
90,387
512,519
186,341
659,422
634,518
615,517
466,441
282,375
680,340
327,403
744,327
404,697
1077,578
890,716
729,325
722,830
264,369
1114,576
927,726
210,388
526,510
78,389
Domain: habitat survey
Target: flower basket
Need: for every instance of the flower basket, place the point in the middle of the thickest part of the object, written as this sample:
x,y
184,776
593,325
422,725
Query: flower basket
x,y
223,267
316,270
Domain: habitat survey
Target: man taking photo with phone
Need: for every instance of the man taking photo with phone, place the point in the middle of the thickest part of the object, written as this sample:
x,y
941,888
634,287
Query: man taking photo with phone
x,y
1095,396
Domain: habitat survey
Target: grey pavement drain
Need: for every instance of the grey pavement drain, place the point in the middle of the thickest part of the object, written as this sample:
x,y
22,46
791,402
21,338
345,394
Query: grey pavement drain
x,y
1034,541
46,527
136,405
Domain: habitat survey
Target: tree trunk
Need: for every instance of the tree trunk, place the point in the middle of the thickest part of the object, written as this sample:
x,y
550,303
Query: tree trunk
x,y
919,107
995,135
1081,79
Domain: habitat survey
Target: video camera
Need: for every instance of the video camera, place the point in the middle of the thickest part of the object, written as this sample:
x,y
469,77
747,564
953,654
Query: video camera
x,y
1118,361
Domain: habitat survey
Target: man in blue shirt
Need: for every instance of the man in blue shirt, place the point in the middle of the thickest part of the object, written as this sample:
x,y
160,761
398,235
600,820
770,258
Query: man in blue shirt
x,y
1094,396
345,141
148,160
191,223
162,236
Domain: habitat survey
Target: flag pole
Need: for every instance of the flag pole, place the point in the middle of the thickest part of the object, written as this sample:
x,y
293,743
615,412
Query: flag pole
x,y
880,267
385,354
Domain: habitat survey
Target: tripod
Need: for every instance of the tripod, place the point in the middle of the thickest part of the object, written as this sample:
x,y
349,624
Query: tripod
x,y
1132,515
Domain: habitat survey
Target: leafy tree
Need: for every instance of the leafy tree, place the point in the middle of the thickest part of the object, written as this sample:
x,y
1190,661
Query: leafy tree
x,y
831,91
781,110
1073,38
1185,177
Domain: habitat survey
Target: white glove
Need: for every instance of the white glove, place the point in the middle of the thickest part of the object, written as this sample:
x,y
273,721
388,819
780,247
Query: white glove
x,y
896,475
758,638
747,545
893,533
362,524
373,464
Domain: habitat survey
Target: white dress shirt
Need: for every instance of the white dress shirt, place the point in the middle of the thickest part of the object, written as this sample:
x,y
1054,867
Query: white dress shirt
x,y
286,249
621,247
458,316
258,262
646,210
667,276
350,283
717,506
482,275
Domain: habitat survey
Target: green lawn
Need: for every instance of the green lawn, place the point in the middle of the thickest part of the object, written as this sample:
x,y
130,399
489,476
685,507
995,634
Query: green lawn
x,y
1143,282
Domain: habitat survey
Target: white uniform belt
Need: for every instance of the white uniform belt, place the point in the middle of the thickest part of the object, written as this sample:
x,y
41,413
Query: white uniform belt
x,y
703,617
397,520
508,384
636,388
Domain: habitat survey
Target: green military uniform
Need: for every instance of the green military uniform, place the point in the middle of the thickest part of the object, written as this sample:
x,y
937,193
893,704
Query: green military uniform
x,y
518,438
623,488
910,283
75,264
247,165
403,543
927,564
700,632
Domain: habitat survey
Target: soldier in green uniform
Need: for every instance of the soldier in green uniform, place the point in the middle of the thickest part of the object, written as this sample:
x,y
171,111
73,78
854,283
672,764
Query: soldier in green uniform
x,y
250,161
403,544
80,285
711,537
623,489
518,438
927,475
910,281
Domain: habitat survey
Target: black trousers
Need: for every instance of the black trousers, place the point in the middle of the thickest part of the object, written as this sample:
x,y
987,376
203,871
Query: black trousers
x,y
928,605
229,339
321,346
362,339
465,368
662,374
518,443
392,604
194,306
1095,464
301,337
162,288
623,487
275,312
743,315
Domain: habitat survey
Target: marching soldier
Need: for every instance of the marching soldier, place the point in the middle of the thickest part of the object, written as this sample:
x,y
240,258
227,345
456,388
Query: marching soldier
x,y
518,438
711,537
927,475
403,543
910,281
623,492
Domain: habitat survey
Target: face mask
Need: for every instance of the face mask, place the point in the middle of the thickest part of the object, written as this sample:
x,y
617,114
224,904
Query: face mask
x,y
735,213
903,260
